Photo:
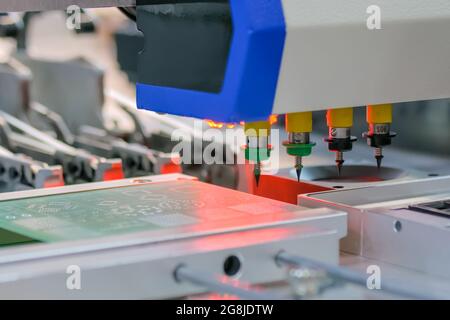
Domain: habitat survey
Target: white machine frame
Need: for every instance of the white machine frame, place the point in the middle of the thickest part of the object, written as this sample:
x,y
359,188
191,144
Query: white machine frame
x,y
332,59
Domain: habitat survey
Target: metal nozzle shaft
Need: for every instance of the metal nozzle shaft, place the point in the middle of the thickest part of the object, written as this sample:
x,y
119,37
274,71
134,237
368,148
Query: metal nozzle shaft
x,y
298,166
257,172
379,156
339,161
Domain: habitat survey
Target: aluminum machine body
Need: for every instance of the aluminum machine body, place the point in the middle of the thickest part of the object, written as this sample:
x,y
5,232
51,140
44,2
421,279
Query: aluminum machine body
x,y
240,62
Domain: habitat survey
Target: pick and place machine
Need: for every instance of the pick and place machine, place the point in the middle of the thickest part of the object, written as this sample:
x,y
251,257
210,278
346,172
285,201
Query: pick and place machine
x,y
305,232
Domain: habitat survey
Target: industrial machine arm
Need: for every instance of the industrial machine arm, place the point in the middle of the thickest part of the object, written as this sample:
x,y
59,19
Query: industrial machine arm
x,y
244,60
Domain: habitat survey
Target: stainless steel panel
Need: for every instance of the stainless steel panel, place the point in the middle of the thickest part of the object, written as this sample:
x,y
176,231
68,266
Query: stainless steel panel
x,y
382,227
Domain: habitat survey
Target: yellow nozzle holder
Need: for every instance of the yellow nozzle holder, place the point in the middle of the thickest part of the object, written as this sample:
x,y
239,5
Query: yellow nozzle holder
x,y
299,122
257,129
340,118
380,113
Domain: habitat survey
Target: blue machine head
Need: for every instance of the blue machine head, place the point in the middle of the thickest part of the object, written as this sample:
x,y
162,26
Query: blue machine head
x,y
216,60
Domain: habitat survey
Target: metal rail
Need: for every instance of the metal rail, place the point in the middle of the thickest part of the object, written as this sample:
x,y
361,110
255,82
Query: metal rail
x,y
388,285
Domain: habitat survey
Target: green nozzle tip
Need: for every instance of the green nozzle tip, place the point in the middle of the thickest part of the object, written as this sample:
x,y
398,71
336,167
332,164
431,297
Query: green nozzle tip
x,y
299,149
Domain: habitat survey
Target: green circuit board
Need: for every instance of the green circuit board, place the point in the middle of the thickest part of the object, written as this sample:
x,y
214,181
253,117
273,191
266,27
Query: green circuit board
x,y
105,212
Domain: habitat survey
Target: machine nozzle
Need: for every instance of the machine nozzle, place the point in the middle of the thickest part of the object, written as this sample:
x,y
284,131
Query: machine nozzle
x,y
379,118
257,148
257,172
298,166
339,139
379,156
339,161
299,127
